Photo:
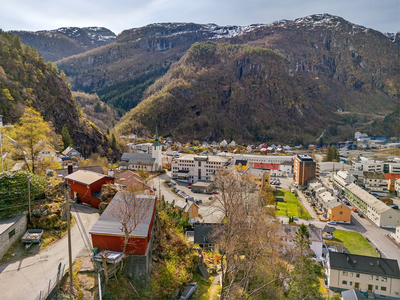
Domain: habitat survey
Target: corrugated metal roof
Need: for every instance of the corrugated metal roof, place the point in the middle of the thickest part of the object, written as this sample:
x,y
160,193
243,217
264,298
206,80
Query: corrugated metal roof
x,y
86,177
107,224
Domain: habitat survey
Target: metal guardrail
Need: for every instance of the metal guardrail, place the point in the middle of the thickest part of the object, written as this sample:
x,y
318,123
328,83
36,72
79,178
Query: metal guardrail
x,y
52,283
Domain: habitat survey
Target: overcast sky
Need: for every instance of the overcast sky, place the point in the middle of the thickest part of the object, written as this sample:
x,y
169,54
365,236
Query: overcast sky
x,y
117,15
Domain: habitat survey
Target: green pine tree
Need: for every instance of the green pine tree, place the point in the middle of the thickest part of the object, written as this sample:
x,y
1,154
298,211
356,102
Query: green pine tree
x,y
304,282
66,138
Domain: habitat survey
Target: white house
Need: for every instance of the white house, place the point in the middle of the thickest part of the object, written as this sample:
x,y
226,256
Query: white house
x,y
224,143
288,234
396,235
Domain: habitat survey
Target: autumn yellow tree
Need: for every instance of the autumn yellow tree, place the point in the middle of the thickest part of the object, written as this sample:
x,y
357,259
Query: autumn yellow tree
x,y
31,133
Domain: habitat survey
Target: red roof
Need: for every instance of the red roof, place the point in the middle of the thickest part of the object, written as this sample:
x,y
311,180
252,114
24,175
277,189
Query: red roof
x,y
391,176
266,166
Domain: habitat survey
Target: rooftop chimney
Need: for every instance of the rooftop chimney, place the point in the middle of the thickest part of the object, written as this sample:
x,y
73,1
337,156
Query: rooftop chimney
x,y
70,168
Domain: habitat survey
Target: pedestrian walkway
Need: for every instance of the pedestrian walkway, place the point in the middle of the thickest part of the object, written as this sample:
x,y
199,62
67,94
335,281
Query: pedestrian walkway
x,y
306,205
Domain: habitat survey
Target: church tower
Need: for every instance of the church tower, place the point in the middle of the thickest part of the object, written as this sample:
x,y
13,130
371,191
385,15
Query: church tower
x,y
156,153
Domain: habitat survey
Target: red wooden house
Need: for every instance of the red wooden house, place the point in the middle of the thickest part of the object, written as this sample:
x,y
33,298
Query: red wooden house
x,y
86,185
106,232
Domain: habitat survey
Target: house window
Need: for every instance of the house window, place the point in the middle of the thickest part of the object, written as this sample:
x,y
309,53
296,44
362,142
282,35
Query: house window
x,y
376,287
377,278
383,288
341,213
384,279
351,274
190,215
351,283
194,208
345,273
344,282
358,275
11,233
371,277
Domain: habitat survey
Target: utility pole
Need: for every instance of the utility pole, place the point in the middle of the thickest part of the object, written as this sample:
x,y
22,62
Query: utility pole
x,y
67,198
29,197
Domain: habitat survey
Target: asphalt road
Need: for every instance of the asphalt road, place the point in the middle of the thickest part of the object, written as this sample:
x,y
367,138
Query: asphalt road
x,y
208,209
24,279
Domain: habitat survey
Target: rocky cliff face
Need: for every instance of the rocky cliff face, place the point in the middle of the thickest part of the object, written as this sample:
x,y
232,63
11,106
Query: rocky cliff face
x,y
27,80
225,91
358,57
63,42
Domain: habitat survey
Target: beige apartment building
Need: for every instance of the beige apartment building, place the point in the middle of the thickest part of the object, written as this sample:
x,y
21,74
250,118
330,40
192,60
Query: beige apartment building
x,y
378,276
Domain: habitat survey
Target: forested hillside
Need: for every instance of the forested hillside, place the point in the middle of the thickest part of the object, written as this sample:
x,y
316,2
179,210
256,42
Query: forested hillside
x,y
27,80
332,79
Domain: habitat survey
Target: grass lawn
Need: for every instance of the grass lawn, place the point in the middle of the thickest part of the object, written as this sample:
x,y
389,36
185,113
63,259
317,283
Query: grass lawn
x,y
204,287
291,207
354,242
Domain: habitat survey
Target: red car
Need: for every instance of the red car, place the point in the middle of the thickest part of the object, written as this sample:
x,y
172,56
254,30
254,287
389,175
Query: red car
x,y
189,187
190,184
215,192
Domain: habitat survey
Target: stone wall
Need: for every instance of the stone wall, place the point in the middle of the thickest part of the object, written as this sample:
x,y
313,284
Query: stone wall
x,y
20,226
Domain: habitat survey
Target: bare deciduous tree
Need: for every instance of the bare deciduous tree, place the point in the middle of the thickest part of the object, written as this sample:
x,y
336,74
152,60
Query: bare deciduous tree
x,y
129,209
251,261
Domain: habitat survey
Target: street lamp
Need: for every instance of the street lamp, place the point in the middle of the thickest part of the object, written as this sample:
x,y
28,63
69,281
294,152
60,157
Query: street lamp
x,y
1,141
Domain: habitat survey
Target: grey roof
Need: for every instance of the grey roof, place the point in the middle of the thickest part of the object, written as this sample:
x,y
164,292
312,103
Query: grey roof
x,y
353,295
374,175
7,223
289,231
108,225
207,233
137,158
328,229
364,264
64,172
86,177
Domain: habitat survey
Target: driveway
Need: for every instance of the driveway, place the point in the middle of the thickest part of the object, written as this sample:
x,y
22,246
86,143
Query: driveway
x,y
24,279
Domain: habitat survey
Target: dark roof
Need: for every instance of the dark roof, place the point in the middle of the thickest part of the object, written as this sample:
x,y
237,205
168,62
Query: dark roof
x,y
207,233
353,295
137,158
108,225
64,172
183,171
328,229
364,264
241,161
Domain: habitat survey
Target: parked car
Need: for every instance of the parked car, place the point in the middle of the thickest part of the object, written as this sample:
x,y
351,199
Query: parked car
x,y
331,223
196,191
190,184
215,192
295,219
360,215
292,190
354,209
198,201
189,187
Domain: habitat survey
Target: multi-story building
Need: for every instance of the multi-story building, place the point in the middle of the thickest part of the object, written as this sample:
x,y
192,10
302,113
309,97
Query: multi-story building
x,y
334,210
191,168
260,177
341,179
368,165
391,167
376,183
304,169
377,211
141,148
265,159
397,187
396,235
378,276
